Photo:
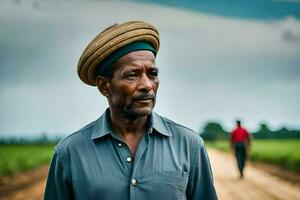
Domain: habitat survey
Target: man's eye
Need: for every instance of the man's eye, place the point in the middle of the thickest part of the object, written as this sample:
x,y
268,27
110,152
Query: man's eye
x,y
133,74
153,73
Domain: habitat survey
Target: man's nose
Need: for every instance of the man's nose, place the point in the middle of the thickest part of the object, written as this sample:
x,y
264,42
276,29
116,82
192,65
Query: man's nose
x,y
145,83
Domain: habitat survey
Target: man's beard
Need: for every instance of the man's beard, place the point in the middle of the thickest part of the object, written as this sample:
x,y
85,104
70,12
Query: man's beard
x,y
130,111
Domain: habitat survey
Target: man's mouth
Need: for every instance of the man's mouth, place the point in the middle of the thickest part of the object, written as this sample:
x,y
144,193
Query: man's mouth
x,y
147,98
144,100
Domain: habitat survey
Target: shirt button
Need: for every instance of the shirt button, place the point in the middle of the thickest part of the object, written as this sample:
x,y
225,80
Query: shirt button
x,y
150,130
129,159
120,144
133,182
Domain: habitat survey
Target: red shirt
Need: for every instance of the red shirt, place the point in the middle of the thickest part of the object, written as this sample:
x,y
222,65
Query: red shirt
x,y
239,135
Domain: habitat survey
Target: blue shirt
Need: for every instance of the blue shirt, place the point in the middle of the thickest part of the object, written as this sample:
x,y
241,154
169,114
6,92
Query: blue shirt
x,y
94,163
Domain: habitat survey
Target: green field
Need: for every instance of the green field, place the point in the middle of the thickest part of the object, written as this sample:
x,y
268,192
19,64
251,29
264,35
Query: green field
x,y
23,157
283,153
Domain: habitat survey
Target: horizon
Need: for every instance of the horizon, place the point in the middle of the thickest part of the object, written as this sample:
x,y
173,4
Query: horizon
x,y
54,135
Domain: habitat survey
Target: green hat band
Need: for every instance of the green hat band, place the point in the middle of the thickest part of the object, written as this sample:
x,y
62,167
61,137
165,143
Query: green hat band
x,y
135,46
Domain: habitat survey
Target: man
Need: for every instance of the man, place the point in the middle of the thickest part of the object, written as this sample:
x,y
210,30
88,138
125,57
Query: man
x,y
240,144
130,152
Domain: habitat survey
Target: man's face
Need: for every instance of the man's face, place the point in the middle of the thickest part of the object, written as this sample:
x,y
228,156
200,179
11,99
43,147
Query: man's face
x,y
132,90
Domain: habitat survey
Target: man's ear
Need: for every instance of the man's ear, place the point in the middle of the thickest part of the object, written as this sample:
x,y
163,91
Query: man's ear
x,y
102,84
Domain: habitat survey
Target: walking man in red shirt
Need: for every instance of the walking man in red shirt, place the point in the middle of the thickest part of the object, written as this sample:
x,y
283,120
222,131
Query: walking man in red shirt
x,y
240,145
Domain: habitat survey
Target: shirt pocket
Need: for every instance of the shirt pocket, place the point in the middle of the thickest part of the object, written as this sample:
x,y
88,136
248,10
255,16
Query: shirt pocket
x,y
177,179
164,185
172,184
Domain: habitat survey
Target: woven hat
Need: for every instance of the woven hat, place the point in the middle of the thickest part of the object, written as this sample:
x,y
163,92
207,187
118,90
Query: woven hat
x,y
110,40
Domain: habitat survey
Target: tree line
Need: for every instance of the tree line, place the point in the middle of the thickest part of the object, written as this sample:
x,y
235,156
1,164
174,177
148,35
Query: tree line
x,y
43,138
214,131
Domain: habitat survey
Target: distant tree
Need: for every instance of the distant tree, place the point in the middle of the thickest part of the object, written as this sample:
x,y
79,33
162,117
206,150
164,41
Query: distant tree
x,y
213,131
295,133
263,132
281,133
43,139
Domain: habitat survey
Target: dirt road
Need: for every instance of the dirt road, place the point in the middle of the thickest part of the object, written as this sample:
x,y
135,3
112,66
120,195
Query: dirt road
x,y
29,185
257,185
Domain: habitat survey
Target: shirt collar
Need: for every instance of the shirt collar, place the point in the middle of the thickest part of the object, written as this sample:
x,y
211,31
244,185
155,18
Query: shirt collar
x,y
158,123
103,127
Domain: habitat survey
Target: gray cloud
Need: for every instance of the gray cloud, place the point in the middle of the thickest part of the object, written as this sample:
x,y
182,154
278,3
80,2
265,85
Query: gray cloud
x,y
216,68
290,36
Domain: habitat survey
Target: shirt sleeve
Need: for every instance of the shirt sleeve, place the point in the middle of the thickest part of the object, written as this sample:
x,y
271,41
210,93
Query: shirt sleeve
x,y
58,184
232,136
201,184
248,136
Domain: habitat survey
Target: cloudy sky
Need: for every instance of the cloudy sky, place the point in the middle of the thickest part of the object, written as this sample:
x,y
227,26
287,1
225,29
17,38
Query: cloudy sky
x,y
215,64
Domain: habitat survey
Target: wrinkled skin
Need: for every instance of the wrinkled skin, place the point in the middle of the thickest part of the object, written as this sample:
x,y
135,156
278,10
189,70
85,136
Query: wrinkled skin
x,y
132,90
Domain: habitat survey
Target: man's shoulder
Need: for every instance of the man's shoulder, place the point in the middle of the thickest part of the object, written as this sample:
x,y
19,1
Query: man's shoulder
x,y
182,132
76,137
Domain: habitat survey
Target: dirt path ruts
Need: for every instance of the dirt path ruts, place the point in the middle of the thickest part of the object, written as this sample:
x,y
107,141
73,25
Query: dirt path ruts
x,y
257,184
28,185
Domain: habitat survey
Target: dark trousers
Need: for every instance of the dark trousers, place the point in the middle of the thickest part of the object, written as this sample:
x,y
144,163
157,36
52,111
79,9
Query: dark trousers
x,y
240,154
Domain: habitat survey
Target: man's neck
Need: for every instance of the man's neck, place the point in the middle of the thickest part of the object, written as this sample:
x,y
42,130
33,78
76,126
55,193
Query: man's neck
x,y
129,130
128,126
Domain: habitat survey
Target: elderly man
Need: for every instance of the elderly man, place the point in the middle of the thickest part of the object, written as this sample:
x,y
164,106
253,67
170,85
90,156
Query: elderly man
x,y
130,152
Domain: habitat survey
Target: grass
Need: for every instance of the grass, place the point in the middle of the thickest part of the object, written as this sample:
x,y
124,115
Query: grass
x,y
283,153
23,157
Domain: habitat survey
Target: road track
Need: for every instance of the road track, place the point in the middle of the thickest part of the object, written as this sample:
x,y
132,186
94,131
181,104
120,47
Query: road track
x,y
257,184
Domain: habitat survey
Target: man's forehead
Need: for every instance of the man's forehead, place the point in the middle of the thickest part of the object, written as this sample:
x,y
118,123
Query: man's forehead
x,y
136,56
